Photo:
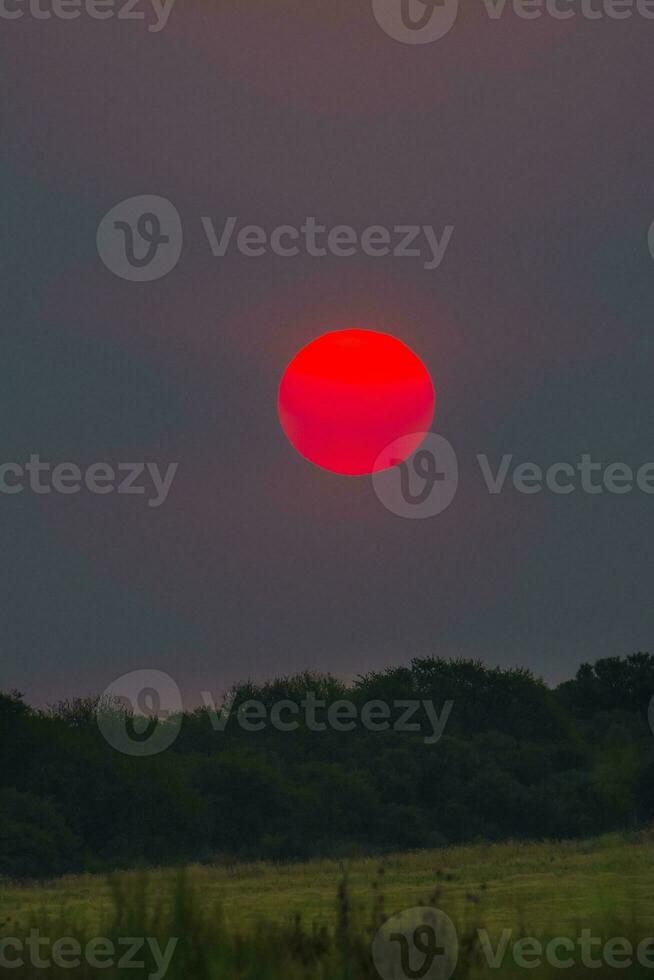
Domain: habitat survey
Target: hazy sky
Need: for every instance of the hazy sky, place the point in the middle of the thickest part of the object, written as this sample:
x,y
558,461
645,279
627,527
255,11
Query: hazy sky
x,y
532,138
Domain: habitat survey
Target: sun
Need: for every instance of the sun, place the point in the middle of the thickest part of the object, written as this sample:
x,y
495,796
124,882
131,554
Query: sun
x,y
350,393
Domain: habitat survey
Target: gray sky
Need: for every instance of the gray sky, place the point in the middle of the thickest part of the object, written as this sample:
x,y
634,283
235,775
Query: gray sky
x,y
532,138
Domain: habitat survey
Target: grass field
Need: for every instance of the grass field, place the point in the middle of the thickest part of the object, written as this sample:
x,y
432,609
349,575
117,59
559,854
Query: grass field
x,y
539,889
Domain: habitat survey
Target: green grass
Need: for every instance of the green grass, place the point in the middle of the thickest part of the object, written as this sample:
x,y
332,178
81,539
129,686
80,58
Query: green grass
x,y
549,884
244,917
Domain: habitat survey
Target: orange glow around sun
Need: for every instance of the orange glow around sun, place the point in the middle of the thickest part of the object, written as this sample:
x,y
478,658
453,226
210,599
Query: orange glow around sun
x,y
349,394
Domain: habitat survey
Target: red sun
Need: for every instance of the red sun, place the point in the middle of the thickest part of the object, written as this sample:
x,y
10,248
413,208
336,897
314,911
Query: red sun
x,y
349,394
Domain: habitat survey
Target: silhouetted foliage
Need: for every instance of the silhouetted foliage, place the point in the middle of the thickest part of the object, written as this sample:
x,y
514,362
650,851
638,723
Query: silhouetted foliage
x,y
516,759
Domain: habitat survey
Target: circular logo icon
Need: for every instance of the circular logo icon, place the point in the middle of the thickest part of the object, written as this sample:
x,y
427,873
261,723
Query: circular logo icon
x,y
141,238
419,942
421,485
141,713
416,21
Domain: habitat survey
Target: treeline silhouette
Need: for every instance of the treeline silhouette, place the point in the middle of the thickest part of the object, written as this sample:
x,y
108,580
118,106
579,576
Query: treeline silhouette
x,y
516,759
